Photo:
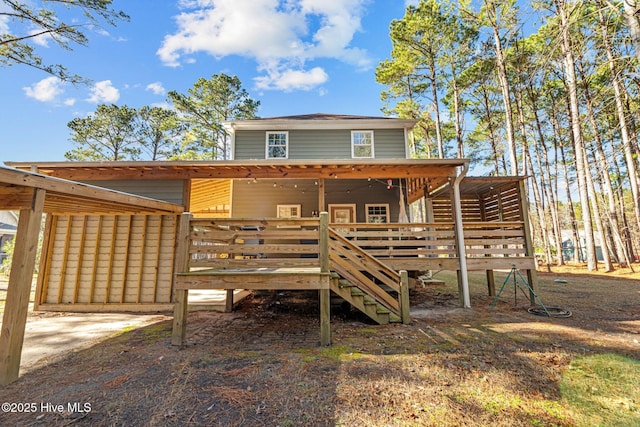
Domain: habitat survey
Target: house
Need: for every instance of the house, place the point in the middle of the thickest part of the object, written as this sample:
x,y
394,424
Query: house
x,y
8,227
261,210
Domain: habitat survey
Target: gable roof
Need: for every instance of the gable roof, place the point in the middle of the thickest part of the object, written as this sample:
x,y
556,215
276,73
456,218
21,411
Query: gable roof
x,y
319,121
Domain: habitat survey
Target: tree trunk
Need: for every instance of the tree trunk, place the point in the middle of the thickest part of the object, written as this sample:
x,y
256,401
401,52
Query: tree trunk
x,y
618,89
436,107
576,131
504,87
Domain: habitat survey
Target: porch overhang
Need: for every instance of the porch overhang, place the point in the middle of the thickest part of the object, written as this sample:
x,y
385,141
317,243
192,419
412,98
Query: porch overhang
x,y
439,171
62,196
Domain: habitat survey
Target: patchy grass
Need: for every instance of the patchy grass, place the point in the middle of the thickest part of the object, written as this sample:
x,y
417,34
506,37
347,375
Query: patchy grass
x,y
603,389
262,364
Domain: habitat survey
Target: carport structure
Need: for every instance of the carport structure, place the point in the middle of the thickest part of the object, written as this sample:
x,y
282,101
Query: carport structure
x,y
34,195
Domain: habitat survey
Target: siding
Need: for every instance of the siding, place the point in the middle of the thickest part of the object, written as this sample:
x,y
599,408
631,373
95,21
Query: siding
x,y
109,260
259,199
166,190
320,144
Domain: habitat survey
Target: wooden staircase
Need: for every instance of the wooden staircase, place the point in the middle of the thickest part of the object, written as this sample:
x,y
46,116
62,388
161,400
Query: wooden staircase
x,y
363,302
367,292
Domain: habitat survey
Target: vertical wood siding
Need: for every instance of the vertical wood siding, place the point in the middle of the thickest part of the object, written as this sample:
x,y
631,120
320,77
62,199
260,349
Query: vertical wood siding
x,y
109,260
321,144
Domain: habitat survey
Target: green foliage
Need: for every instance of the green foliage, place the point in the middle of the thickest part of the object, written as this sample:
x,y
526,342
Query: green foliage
x,y
108,134
159,131
202,111
60,21
8,247
124,133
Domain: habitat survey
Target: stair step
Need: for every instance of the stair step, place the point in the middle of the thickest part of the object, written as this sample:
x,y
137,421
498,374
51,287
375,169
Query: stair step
x,y
356,292
394,319
382,310
344,283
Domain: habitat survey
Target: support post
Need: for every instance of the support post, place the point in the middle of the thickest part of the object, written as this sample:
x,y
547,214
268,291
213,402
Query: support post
x,y
181,296
405,305
532,275
322,205
463,278
16,307
228,302
325,294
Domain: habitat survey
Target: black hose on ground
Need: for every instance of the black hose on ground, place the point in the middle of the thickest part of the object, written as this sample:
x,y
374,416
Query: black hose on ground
x,y
549,311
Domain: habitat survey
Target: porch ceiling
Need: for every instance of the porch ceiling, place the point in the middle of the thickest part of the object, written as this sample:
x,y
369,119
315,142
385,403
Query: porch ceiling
x,y
436,169
479,185
61,196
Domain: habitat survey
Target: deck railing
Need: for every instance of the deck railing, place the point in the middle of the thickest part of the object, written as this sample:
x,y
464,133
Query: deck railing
x,y
253,243
422,246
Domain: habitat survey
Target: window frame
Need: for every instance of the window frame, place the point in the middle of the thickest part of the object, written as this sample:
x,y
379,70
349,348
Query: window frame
x,y
376,205
289,206
353,144
267,146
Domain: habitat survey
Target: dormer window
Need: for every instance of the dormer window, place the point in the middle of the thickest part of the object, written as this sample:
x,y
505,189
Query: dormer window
x,y
277,145
362,144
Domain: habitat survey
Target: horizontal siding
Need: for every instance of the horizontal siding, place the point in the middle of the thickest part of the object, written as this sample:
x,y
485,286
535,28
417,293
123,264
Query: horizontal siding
x,y
166,190
320,144
259,199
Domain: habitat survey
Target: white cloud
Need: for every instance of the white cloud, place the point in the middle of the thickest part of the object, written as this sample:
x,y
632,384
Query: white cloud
x,y
45,90
104,92
156,88
41,40
289,80
281,35
69,102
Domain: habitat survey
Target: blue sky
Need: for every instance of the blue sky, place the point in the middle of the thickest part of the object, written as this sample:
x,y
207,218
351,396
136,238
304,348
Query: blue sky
x,y
294,56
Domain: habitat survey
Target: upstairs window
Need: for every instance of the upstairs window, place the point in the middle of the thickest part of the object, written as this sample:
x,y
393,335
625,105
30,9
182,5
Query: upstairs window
x,y
362,144
277,145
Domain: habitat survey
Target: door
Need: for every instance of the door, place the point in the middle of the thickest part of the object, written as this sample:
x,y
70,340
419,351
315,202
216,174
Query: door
x,y
342,214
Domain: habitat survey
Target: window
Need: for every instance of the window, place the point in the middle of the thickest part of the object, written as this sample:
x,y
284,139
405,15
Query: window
x,y
377,214
277,145
362,144
289,211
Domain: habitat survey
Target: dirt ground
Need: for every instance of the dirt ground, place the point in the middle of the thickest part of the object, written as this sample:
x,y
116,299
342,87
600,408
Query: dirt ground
x,y
262,366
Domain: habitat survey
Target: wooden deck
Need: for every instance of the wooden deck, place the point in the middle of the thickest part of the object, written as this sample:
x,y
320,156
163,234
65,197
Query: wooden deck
x,y
210,253
311,254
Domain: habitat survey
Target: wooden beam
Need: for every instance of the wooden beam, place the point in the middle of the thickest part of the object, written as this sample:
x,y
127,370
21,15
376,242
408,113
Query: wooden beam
x,y
14,197
181,296
69,191
405,305
17,303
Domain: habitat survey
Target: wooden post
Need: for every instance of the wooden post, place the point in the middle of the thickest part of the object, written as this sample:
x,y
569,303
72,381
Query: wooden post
x,y
491,281
321,199
405,306
228,302
532,275
325,294
45,261
16,307
181,296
